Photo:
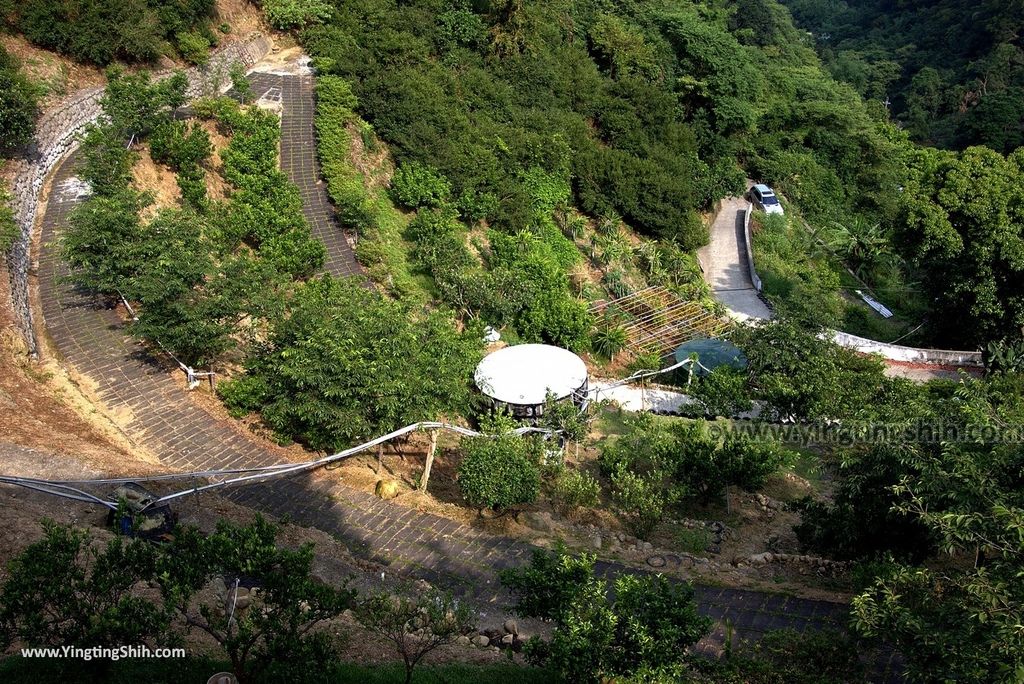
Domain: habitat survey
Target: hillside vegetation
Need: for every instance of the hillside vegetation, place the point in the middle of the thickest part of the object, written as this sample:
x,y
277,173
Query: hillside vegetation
x,y
952,70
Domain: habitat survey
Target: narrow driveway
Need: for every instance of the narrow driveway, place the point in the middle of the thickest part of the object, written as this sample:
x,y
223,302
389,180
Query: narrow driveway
x,y
724,260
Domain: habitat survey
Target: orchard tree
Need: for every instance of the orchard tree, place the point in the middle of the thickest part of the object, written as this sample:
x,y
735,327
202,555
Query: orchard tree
x,y
345,364
647,626
415,622
286,605
68,589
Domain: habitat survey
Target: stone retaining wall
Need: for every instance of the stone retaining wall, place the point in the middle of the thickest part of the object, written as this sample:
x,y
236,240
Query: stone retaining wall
x,y
57,135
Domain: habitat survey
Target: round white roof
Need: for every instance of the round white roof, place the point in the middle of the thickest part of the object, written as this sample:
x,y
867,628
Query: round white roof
x,y
524,374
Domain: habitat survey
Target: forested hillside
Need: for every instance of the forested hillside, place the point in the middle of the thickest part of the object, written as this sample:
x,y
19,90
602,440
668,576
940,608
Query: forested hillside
x,y
102,31
651,112
953,71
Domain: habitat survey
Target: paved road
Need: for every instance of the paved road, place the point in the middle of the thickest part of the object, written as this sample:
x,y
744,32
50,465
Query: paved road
x,y
724,260
157,412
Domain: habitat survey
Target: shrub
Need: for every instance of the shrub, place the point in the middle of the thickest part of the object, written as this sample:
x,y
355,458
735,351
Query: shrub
x,y
575,489
548,586
641,499
416,185
19,104
499,471
9,230
193,46
66,591
649,624
296,14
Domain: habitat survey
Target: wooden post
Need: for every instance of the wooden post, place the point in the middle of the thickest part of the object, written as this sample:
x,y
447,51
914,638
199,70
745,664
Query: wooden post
x,y
380,457
430,461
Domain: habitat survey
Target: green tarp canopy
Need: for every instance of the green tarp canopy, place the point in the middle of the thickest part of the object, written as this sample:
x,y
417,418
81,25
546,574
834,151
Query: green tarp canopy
x,y
711,354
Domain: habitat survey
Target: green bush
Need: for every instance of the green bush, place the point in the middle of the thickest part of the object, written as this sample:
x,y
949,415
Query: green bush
x,y
549,585
9,230
416,185
499,471
648,625
19,104
575,489
296,14
640,499
193,46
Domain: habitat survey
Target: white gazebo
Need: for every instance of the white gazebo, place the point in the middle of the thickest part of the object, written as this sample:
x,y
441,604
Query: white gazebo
x,y
520,378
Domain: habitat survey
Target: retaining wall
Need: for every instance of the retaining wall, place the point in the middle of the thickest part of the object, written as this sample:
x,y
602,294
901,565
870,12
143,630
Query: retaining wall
x,y
754,278
895,352
57,135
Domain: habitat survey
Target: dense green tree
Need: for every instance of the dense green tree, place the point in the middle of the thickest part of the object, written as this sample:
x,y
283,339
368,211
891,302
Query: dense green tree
x,y
345,364
287,603
648,625
69,590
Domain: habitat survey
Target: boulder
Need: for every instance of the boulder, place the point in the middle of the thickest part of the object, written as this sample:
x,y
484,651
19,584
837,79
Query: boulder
x,y
507,640
511,627
537,520
656,561
481,641
463,640
386,489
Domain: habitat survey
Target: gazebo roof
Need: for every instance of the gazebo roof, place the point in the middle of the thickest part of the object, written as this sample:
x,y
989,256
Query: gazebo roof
x,y
525,373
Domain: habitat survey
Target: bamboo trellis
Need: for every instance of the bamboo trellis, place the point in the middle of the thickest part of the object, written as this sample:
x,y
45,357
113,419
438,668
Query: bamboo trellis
x,y
656,320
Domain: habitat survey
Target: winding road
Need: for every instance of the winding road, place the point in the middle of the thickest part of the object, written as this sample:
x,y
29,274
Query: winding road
x,y
157,414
